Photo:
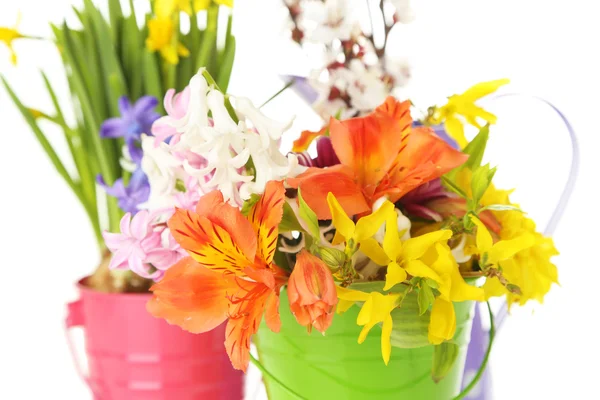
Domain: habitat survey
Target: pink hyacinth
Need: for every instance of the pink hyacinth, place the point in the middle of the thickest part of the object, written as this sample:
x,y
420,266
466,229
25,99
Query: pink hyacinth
x,y
176,106
144,245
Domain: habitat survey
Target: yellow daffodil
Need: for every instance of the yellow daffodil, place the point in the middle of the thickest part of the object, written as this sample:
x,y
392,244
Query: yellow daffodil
x,y
442,324
403,258
362,232
462,107
376,309
161,38
8,35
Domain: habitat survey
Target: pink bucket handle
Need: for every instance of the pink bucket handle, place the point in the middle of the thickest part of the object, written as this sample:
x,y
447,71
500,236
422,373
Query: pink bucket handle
x,y
75,318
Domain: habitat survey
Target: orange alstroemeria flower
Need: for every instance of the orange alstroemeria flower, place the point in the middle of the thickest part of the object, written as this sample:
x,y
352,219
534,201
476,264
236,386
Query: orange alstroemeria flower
x,y
306,138
312,293
230,273
381,155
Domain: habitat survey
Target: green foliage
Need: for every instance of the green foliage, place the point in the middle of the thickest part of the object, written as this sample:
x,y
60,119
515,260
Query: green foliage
x,y
107,58
289,221
425,298
444,356
480,182
309,217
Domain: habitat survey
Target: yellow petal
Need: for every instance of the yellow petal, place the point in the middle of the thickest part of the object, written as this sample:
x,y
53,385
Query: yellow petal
x,y
350,294
505,249
454,128
366,312
368,226
386,343
415,247
371,248
420,269
482,89
395,275
182,50
343,306
364,332
493,288
442,323
483,238
343,224
227,3
165,8
391,240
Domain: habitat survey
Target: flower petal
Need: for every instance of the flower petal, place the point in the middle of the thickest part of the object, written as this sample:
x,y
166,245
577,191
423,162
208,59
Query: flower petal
x,y
192,297
483,238
265,217
371,248
209,243
395,275
317,183
343,224
442,323
416,247
368,226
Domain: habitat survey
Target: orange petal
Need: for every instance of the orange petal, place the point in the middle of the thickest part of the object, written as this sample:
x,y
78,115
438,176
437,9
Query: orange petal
x,y
306,138
425,157
399,110
213,207
316,184
192,297
245,316
311,292
369,145
211,244
265,217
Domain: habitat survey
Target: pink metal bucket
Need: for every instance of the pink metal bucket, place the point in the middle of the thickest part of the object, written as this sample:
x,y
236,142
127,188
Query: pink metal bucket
x,y
134,356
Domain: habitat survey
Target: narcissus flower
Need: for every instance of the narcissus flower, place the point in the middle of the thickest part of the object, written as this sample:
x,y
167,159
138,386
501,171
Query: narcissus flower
x,y
8,36
311,292
165,8
230,273
381,155
376,309
161,31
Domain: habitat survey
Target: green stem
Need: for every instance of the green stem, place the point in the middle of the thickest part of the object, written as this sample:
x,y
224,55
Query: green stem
x,y
268,374
283,89
486,358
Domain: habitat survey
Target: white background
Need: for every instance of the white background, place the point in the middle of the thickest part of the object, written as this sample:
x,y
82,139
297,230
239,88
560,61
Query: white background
x,y
549,48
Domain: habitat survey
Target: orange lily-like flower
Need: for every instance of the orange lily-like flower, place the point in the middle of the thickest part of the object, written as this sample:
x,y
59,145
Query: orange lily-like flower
x,y
381,155
230,273
312,293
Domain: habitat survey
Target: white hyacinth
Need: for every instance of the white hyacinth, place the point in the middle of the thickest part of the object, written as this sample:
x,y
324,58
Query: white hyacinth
x,y
209,133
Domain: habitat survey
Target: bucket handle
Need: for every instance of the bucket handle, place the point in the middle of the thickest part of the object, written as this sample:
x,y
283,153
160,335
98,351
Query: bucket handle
x,y
565,196
75,318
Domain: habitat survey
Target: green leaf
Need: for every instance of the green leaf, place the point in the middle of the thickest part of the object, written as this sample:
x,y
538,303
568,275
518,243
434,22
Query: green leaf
x,y
480,181
289,221
207,46
425,298
152,77
226,65
444,356
248,204
449,184
309,217
476,148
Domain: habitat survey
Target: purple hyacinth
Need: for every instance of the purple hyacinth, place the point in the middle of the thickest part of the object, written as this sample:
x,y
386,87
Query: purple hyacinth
x,y
135,120
130,197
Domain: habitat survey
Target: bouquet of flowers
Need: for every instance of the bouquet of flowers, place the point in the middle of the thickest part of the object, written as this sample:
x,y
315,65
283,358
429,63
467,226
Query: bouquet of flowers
x,y
389,219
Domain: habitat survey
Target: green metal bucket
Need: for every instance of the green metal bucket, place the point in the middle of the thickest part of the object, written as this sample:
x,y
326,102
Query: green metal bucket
x,y
335,366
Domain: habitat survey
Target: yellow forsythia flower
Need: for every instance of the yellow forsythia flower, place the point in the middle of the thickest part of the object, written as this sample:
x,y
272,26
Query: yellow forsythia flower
x,y
376,309
8,35
160,38
462,107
